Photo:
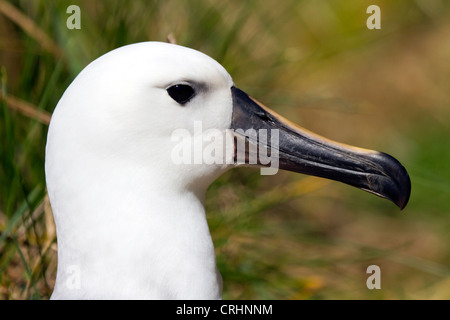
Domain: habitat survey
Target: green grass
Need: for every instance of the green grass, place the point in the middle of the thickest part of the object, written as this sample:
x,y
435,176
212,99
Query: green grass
x,y
280,237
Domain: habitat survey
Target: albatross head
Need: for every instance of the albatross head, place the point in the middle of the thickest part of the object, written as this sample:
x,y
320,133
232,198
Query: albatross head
x,y
132,146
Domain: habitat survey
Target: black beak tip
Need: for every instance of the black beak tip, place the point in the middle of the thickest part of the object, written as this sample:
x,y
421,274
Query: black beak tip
x,y
405,191
403,197
398,189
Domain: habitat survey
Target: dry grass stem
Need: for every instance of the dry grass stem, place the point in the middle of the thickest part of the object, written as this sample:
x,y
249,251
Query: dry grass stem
x,y
28,26
27,109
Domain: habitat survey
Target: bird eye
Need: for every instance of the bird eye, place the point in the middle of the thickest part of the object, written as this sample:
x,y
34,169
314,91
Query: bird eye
x,y
181,93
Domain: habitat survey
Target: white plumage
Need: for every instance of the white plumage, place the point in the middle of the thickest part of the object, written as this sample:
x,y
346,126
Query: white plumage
x,y
130,223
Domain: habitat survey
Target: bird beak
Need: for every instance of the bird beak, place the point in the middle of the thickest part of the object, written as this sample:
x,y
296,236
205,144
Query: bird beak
x,y
300,150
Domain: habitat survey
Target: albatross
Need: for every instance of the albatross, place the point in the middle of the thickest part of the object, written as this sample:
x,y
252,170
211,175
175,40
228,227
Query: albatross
x,y
129,214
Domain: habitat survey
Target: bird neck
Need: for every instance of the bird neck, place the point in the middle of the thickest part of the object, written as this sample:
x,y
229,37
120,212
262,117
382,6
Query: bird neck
x,y
139,240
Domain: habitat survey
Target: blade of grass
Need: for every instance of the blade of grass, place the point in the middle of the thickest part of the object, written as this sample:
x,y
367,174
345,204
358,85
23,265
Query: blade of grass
x,y
20,212
39,267
29,27
28,272
27,109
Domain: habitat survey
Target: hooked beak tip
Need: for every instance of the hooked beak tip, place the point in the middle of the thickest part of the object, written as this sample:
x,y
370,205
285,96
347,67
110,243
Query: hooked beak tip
x,y
396,181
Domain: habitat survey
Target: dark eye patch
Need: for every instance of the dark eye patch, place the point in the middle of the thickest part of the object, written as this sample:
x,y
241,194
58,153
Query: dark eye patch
x,y
181,93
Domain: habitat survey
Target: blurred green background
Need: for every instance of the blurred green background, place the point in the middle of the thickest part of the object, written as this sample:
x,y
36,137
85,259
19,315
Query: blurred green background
x,y
277,237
